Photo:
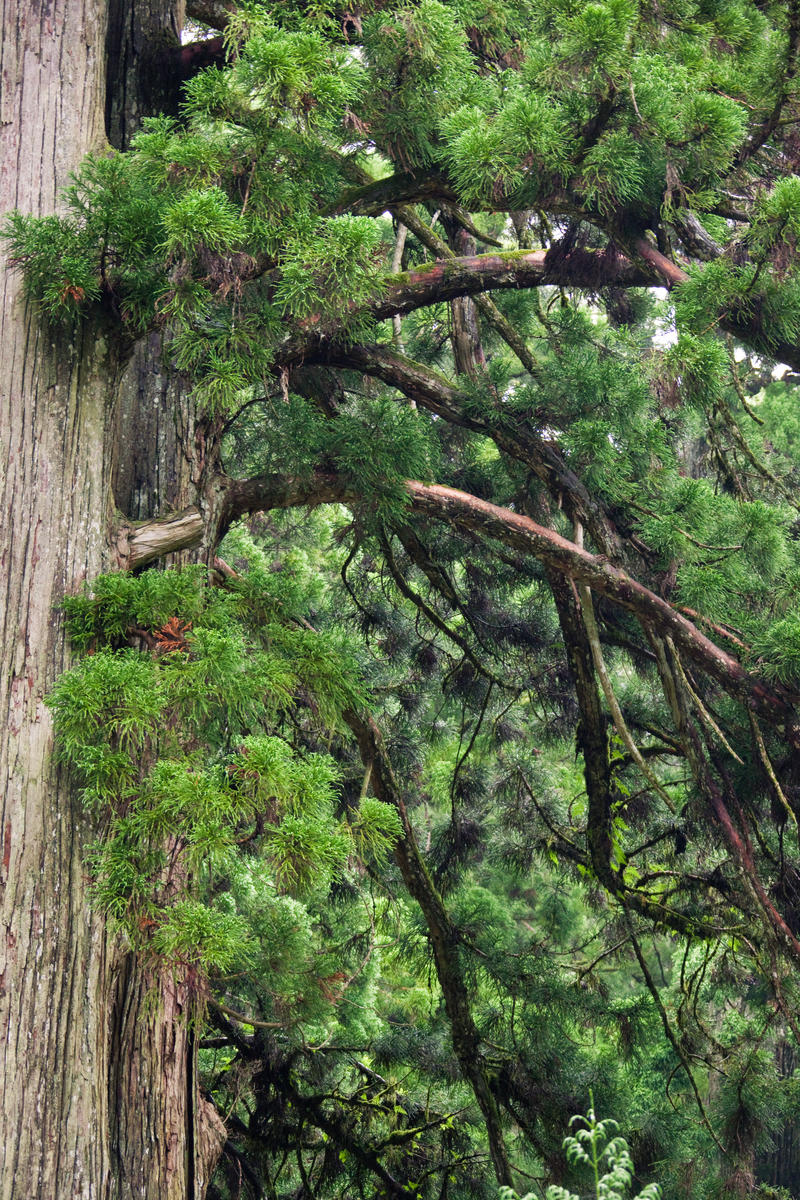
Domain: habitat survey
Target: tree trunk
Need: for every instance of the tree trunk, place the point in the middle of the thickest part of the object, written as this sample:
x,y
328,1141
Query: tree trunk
x,y
779,1166
165,1138
96,1062
465,330
54,957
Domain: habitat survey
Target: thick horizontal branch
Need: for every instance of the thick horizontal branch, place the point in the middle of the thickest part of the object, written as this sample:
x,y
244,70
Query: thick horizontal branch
x,y
137,544
407,215
468,512
652,268
140,544
215,13
448,279
373,198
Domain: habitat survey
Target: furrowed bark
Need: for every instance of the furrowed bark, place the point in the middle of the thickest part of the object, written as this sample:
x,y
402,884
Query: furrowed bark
x,y
55,961
84,1038
165,1138
142,43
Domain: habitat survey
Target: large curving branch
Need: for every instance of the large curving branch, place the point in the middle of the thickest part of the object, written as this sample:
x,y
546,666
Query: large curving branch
x,y
589,270
138,544
521,533
433,391
373,198
449,279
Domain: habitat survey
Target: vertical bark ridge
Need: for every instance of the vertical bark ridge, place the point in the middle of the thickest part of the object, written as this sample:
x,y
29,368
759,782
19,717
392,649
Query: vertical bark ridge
x,y
141,46
165,1139
151,1080
153,473
53,953
55,472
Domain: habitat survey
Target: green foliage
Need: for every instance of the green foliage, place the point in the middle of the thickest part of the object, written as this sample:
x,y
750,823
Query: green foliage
x,y
607,1157
375,827
420,70
490,154
163,741
120,602
202,219
381,445
777,650
336,266
377,984
613,171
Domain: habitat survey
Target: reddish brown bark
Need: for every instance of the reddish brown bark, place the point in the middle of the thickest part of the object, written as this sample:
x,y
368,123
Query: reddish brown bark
x,y
55,961
453,278
165,1138
746,325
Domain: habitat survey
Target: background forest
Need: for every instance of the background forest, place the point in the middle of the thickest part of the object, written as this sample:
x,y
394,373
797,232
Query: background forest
x,y
452,761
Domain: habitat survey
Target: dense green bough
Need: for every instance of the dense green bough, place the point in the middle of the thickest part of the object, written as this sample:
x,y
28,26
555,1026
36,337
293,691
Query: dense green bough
x,y
478,787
